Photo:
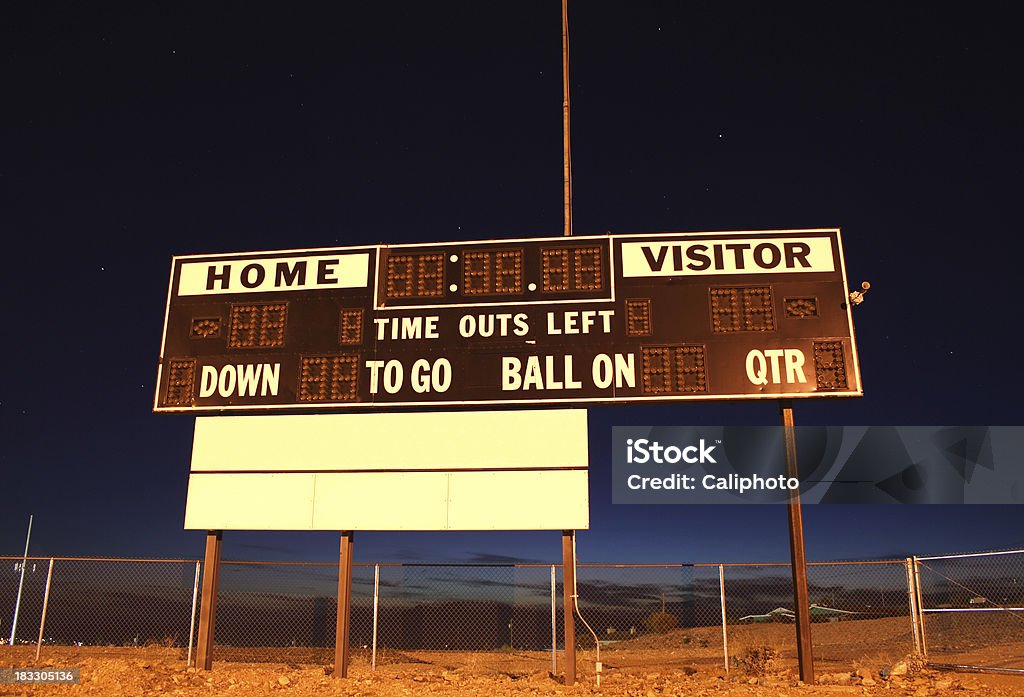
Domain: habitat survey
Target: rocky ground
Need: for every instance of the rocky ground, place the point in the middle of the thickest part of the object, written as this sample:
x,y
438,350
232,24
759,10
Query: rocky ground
x,y
159,671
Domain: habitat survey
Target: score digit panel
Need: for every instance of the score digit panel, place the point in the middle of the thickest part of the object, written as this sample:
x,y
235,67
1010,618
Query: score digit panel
x,y
617,318
498,273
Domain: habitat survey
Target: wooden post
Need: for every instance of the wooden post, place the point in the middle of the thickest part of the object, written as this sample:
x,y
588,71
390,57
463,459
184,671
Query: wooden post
x,y
801,598
569,605
208,604
920,607
344,606
912,599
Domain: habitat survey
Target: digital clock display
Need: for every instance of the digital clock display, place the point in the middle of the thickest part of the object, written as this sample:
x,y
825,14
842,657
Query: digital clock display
x,y
489,274
414,276
572,269
497,272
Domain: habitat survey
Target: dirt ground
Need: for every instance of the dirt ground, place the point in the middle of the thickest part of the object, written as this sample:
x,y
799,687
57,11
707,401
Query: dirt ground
x,y
161,671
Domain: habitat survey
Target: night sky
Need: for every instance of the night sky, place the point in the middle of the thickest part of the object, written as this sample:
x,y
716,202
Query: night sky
x,y
136,133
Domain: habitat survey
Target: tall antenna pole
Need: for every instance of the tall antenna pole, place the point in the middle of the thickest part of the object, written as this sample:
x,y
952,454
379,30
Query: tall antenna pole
x,y
567,163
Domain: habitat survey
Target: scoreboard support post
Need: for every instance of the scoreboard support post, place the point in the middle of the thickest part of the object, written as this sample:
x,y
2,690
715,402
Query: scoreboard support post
x,y
569,604
801,598
208,607
344,606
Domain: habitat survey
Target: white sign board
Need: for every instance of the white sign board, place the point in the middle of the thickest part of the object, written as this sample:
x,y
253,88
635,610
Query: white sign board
x,y
520,470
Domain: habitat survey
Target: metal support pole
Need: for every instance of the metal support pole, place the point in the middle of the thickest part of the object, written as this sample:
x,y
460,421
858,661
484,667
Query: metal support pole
x,y
568,603
376,596
920,607
46,603
192,622
344,606
17,603
912,599
566,151
554,632
801,598
725,633
208,604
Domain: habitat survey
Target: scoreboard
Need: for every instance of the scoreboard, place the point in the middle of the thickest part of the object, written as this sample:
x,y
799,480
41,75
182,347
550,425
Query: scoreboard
x,y
538,321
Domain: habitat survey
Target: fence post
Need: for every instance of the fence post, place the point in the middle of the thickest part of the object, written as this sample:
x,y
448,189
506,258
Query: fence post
x,y
208,608
192,622
568,604
920,607
912,599
554,631
376,595
46,603
17,603
725,634
344,606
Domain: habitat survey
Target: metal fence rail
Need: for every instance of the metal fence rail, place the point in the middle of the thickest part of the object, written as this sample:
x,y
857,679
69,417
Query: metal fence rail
x,y
505,617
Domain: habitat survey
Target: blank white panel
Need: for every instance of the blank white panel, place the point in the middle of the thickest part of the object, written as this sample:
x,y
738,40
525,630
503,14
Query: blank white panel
x,y
438,440
249,502
381,501
556,500
516,500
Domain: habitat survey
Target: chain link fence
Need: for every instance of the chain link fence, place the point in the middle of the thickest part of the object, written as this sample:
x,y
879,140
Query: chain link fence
x,y
509,617
972,609
101,603
277,612
452,614
21,596
860,613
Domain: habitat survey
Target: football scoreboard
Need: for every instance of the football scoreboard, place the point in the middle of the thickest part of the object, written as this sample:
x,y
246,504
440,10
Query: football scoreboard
x,y
538,321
